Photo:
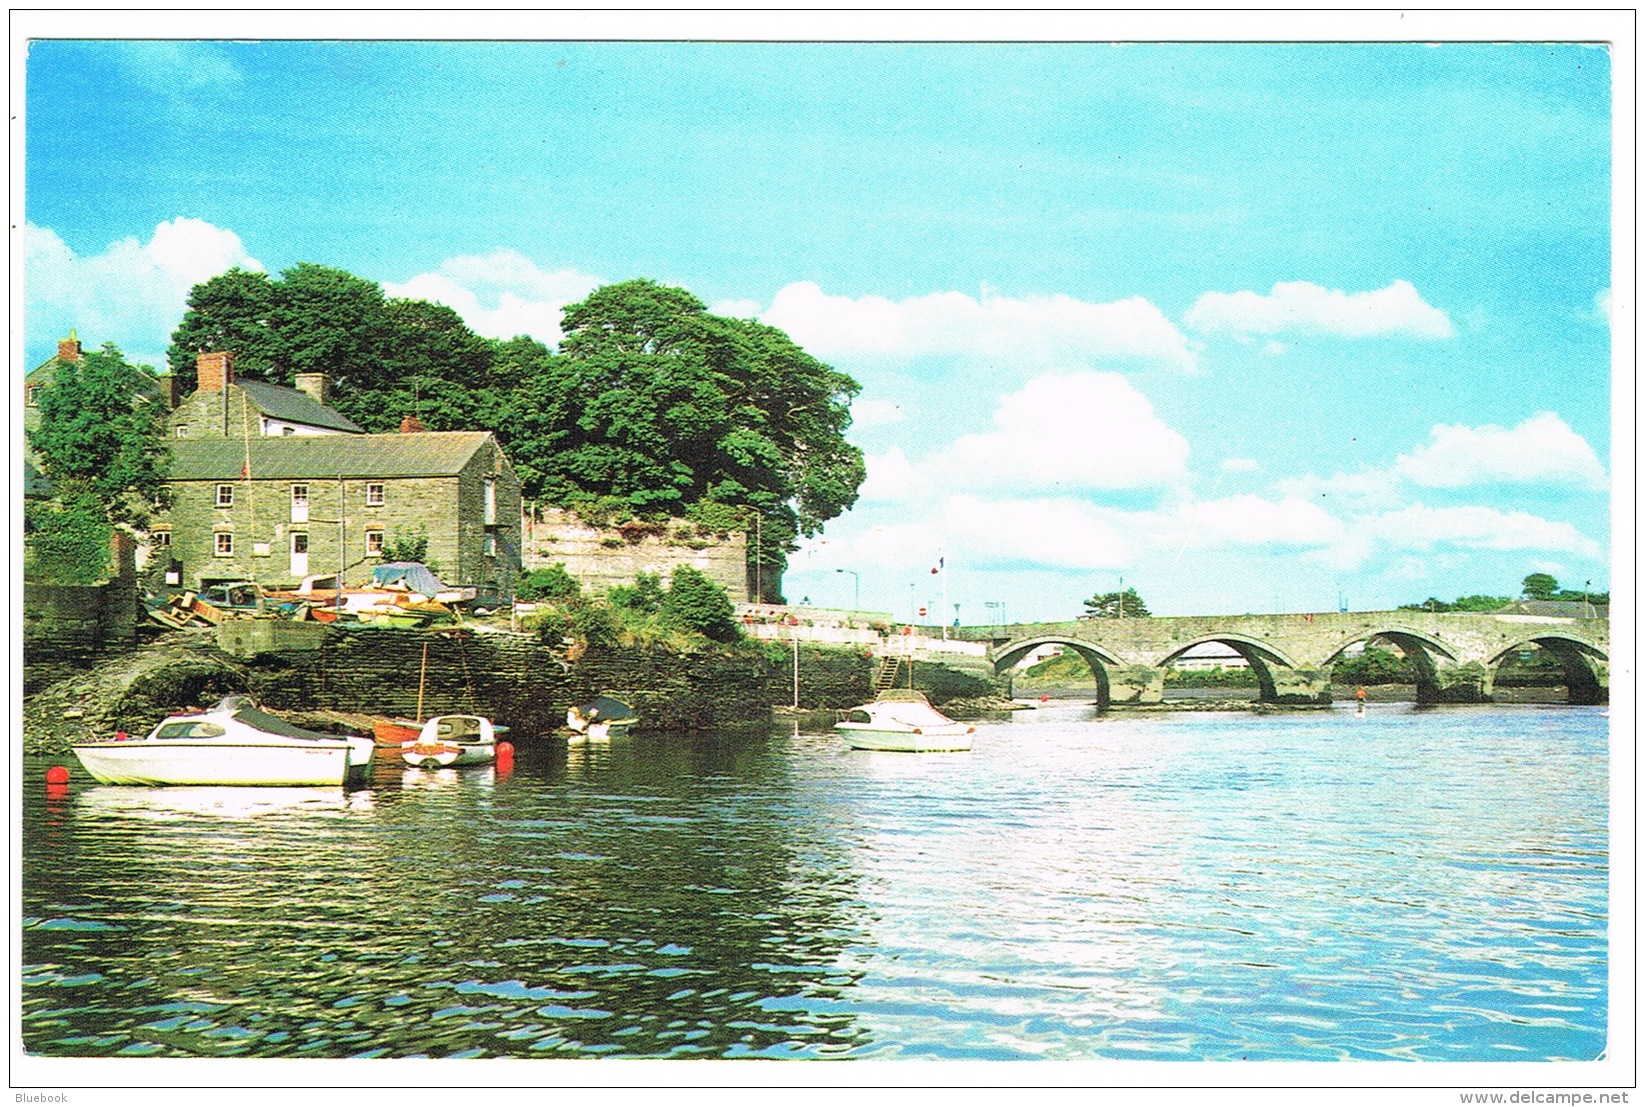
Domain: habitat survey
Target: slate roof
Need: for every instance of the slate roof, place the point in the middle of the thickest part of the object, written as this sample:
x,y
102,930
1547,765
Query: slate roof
x,y
327,456
1559,609
291,406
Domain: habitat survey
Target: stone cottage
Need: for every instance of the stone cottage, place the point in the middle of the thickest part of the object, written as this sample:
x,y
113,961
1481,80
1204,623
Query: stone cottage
x,y
270,484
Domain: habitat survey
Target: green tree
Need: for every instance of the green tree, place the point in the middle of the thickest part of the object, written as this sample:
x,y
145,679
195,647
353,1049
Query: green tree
x,y
98,436
643,597
1117,605
67,540
1539,586
695,603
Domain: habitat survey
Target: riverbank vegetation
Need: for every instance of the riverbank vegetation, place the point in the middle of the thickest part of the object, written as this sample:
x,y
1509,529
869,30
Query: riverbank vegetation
x,y
651,409
689,612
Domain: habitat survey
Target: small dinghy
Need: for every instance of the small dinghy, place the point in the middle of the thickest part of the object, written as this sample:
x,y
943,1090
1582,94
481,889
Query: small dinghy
x,y
601,718
451,741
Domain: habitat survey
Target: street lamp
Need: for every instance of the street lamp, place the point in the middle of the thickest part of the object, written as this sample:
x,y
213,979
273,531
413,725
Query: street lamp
x,y
1587,608
856,588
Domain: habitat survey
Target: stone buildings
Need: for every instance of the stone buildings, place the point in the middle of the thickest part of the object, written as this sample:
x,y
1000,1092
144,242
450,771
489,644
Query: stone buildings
x,y
270,484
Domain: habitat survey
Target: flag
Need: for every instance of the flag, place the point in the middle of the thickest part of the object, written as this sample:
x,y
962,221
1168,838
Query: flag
x,y
245,474
938,568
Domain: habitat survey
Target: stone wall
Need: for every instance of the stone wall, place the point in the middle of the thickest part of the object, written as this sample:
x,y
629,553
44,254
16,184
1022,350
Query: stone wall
x,y
601,557
65,626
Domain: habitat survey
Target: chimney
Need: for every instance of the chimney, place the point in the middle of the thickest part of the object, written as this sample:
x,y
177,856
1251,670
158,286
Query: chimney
x,y
216,371
68,349
168,390
411,425
317,385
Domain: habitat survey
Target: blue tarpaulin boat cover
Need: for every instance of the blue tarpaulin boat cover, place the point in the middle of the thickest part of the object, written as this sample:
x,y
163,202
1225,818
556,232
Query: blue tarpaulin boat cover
x,y
412,574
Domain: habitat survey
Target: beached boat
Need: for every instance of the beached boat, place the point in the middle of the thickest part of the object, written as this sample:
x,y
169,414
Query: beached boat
x,y
451,741
903,720
601,718
233,743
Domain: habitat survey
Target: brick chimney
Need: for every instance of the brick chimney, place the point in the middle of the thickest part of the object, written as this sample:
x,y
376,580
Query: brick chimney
x,y
317,385
216,370
68,349
411,425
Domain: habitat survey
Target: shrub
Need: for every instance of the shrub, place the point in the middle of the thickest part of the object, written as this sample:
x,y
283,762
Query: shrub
x,y
548,584
67,543
643,597
695,603
595,624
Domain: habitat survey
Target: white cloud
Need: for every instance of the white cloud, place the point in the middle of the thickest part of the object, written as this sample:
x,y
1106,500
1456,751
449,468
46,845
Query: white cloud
x,y
1253,521
978,533
891,478
1038,332
1367,490
1423,528
1541,450
1300,307
737,309
875,413
1086,432
133,293
501,294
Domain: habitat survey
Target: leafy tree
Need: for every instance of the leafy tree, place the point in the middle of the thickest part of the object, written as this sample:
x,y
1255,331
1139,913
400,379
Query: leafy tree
x,y
1374,666
1117,605
1461,603
98,437
696,603
1539,586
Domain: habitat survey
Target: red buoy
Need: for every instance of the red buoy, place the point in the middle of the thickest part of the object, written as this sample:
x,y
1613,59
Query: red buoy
x,y
505,756
57,775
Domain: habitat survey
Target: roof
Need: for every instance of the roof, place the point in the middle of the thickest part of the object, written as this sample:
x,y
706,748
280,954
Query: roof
x,y
292,406
1560,609
143,382
36,485
327,456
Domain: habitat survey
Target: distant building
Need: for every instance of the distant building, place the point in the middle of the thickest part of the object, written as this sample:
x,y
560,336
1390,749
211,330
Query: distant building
x,y
223,407
270,484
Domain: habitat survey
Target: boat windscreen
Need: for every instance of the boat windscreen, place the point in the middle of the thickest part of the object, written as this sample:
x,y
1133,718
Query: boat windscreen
x,y
606,708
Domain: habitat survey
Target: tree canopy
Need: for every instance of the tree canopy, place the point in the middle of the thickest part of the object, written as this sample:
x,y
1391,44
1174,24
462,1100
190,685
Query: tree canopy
x,y
100,435
1117,605
652,405
1539,586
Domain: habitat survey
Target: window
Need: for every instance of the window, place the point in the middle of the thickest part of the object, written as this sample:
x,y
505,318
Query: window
x,y
225,543
374,495
182,431
489,546
374,542
299,503
225,495
160,539
491,502
189,730
286,432
30,396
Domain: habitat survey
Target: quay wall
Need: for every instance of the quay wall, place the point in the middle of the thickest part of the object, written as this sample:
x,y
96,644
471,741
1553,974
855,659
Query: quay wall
x,y
67,626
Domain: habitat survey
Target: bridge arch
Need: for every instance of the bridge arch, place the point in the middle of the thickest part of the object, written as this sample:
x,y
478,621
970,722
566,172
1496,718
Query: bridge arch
x,y
1440,676
1097,658
1586,666
1263,658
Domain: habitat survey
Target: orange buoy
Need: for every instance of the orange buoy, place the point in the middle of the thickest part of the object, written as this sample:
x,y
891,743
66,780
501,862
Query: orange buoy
x,y
57,775
505,756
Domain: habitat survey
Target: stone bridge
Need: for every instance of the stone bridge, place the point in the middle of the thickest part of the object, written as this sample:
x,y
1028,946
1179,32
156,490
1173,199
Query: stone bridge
x,y
1456,655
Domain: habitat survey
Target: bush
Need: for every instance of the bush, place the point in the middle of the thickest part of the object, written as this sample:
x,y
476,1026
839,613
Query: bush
x,y
595,624
67,543
697,604
643,597
552,584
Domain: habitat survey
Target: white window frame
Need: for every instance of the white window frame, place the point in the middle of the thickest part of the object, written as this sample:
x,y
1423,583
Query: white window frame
x,y
160,538
225,495
376,494
488,546
222,543
491,501
374,537
182,430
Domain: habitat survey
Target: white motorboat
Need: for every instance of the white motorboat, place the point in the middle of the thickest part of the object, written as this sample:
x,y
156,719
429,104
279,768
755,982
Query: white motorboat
x,y
450,741
904,721
233,743
601,719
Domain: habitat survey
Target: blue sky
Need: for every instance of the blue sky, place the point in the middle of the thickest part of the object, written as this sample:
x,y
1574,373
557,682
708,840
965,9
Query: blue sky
x,y
1253,326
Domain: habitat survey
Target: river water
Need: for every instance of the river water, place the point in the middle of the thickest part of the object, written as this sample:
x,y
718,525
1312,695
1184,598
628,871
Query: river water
x,y
1422,885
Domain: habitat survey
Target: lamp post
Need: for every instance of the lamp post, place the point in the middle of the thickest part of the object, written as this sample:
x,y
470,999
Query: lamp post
x,y
856,588
1587,608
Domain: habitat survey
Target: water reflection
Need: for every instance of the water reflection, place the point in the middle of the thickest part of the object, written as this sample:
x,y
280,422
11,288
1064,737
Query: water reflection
x,y
1201,887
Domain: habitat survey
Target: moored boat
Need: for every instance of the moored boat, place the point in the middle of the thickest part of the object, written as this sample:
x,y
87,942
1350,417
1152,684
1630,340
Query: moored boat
x,y
395,733
904,721
601,718
233,743
451,741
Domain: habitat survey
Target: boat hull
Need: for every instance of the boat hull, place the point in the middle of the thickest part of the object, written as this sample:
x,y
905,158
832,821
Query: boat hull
x,y
447,756
267,765
900,741
395,732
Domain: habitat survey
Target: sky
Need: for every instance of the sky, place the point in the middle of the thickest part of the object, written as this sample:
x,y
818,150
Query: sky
x,y
1248,327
